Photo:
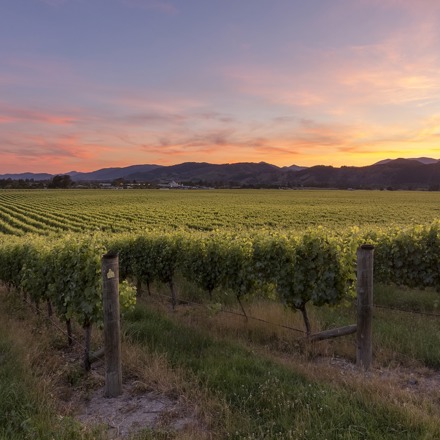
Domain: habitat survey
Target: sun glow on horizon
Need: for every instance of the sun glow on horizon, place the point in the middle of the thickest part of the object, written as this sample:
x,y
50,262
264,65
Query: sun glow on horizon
x,y
317,91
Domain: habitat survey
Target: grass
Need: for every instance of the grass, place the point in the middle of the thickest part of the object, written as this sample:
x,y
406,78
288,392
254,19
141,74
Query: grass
x,y
41,381
26,407
407,339
243,379
426,301
270,400
399,338
402,336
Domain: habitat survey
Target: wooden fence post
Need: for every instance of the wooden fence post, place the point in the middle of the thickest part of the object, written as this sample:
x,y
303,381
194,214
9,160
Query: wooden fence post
x,y
364,343
112,332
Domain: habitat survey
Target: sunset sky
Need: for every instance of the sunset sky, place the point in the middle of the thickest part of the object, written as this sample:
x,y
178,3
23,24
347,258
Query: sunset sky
x,y
88,84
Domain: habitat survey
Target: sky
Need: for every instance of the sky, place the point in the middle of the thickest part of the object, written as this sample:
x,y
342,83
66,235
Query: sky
x,y
89,84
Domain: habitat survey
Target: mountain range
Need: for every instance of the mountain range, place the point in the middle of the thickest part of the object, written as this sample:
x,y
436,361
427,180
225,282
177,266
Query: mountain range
x,y
416,173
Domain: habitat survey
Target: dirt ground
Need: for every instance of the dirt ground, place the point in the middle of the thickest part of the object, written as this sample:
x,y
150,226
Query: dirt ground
x,y
134,411
138,408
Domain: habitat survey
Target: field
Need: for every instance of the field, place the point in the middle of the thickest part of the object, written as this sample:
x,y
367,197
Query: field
x,y
240,378
128,210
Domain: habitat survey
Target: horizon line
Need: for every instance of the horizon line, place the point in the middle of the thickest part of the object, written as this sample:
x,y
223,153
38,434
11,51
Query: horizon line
x,y
223,163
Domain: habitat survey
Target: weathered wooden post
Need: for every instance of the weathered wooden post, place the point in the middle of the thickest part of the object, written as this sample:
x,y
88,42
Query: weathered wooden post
x,y
112,332
364,339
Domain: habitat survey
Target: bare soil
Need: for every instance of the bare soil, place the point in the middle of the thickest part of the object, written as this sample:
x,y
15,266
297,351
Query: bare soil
x,y
134,411
140,407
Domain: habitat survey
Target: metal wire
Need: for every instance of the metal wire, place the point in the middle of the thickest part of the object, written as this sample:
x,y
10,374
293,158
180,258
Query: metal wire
x,y
55,324
231,312
413,312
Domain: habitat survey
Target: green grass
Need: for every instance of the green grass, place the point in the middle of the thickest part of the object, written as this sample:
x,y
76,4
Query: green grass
x,y
407,338
402,338
398,337
407,299
408,335
25,409
268,400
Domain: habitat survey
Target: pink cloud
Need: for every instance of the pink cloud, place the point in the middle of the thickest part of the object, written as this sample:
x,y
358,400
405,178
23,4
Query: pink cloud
x,y
400,70
303,141
275,86
359,76
51,153
6,119
42,147
10,114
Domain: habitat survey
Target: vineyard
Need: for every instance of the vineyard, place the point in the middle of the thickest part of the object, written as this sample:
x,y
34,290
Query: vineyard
x,y
53,241
292,248
49,211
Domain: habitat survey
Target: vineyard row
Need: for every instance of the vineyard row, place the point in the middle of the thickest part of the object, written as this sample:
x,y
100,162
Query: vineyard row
x,y
316,266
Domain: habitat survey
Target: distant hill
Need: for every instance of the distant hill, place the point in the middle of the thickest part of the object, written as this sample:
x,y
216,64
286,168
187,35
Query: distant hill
x,y
418,173
108,174
27,176
294,168
395,174
424,160
240,174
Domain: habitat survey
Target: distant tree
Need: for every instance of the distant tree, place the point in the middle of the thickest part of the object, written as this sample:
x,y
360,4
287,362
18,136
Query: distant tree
x,y
6,183
61,181
120,181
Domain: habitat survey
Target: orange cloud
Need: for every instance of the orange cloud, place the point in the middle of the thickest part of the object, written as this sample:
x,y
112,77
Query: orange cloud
x,y
54,154
11,115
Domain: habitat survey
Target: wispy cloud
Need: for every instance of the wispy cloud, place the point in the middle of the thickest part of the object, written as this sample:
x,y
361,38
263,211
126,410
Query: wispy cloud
x,y
347,100
279,87
401,69
37,146
151,118
428,130
359,76
10,114
51,152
